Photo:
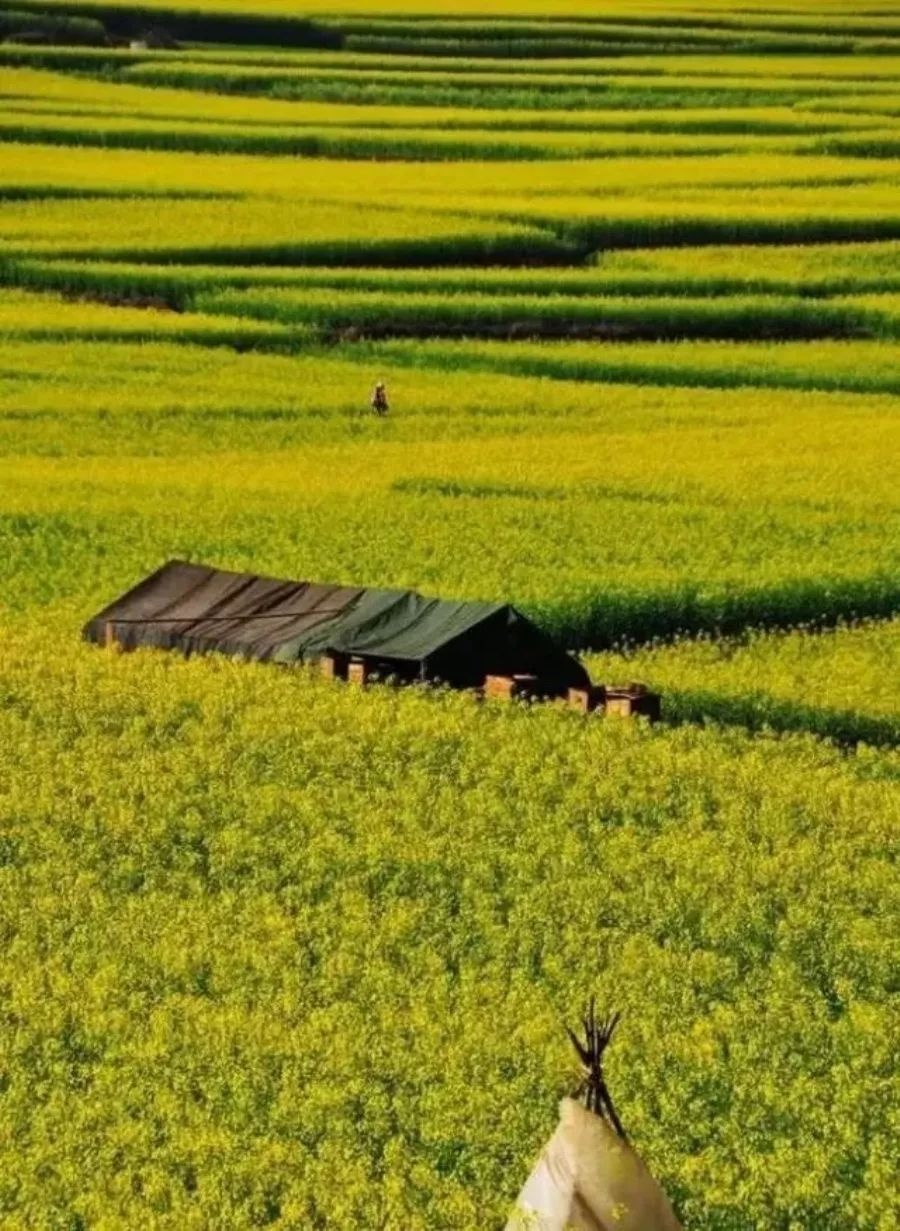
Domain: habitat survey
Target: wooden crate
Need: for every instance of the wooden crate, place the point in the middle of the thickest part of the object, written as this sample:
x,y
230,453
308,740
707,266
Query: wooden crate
x,y
506,687
586,700
358,672
633,701
333,666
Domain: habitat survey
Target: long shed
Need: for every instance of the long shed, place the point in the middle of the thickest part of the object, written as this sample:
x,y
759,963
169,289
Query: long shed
x,y
198,609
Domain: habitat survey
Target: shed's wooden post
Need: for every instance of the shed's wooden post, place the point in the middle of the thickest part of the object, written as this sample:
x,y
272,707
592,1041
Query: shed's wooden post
x,y
109,635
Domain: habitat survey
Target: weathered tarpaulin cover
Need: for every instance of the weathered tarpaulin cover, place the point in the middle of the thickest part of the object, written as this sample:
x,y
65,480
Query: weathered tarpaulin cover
x,y
197,609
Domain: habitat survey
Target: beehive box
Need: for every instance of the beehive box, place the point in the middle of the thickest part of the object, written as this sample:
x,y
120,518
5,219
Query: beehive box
x,y
633,701
586,700
333,666
507,687
358,671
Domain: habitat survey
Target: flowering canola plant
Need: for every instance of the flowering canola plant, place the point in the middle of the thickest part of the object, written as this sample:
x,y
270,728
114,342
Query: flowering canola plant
x,y
281,953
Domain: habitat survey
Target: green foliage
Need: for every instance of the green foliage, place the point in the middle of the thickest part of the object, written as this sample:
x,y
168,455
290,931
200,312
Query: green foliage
x,y
425,314
15,22
807,270
859,367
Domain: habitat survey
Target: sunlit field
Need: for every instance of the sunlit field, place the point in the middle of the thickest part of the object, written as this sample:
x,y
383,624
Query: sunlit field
x,y
278,952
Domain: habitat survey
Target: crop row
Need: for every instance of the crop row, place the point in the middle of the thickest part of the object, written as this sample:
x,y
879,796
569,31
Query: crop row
x,y
427,230
27,315
221,22
392,142
833,74
858,366
796,184
32,91
290,319
267,231
854,366
804,270
463,88
424,314
879,17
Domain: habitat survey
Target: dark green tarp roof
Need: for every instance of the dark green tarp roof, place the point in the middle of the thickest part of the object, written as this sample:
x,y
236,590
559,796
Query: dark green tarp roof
x,y
196,609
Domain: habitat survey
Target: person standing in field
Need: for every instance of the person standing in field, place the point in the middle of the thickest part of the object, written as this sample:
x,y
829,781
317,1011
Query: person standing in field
x,y
380,399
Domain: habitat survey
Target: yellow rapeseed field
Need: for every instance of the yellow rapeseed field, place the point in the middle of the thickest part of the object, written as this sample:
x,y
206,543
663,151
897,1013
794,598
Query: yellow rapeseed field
x,y
277,952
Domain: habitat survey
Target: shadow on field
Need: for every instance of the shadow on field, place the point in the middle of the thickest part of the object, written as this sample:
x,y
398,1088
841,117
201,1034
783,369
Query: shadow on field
x,y
606,619
759,711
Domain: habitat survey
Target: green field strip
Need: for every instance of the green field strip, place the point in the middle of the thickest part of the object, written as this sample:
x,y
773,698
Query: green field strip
x,y
232,70
41,92
491,91
28,316
55,192
858,366
268,232
879,105
868,145
789,215
813,270
581,186
714,122
387,143
835,72
73,59
422,314
272,231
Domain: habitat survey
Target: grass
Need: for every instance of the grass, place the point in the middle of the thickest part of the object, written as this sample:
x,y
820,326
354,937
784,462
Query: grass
x,y
495,88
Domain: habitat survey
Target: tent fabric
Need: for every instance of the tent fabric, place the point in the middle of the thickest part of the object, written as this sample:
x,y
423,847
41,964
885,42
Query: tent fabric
x,y
400,625
198,609
589,1179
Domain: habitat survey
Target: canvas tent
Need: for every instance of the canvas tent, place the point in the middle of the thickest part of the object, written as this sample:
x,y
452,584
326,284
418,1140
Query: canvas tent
x,y
589,1179
198,609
